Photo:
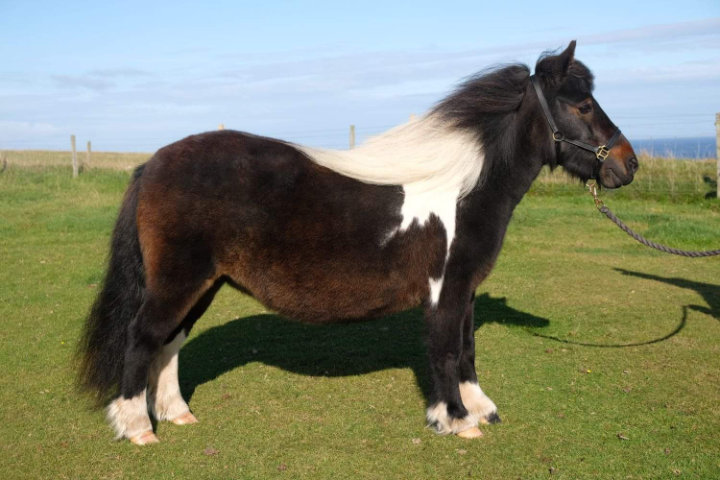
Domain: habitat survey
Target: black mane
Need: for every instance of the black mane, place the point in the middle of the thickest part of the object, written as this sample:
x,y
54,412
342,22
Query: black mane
x,y
493,92
487,106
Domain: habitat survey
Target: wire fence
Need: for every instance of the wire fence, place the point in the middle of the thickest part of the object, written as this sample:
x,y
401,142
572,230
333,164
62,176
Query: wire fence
x,y
670,168
662,178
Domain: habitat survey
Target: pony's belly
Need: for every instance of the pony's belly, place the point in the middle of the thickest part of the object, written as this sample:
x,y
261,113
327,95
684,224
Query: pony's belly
x,y
348,304
333,290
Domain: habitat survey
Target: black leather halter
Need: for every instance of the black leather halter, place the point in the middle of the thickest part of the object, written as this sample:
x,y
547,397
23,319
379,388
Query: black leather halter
x,y
601,152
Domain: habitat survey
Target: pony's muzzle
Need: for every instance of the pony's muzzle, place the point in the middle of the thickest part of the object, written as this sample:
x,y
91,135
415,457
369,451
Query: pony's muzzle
x,y
620,166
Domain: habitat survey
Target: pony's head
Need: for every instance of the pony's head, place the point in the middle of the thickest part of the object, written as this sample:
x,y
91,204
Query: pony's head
x,y
587,143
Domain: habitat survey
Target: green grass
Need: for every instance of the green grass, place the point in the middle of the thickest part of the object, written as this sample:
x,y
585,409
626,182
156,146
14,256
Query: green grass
x,y
601,354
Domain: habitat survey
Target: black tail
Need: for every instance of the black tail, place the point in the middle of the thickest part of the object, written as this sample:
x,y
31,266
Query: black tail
x,y
102,346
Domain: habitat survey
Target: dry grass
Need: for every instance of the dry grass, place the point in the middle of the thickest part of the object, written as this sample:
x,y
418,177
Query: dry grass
x,y
48,158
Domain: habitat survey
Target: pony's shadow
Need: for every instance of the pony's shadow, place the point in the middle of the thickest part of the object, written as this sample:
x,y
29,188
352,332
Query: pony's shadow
x,y
709,292
395,341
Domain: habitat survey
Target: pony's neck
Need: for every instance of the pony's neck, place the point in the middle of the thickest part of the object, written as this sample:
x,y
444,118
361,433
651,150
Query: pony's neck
x,y
514,154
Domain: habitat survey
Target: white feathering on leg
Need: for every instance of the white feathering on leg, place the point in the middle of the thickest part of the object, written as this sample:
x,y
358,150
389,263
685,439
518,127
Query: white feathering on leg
x,y
438,417
476,402
129,416
165,398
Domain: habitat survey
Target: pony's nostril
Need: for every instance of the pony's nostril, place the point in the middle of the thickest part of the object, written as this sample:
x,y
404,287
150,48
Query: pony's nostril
x,y
633,165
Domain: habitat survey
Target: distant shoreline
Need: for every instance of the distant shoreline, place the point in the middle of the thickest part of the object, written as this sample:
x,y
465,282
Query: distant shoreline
x,y
690,148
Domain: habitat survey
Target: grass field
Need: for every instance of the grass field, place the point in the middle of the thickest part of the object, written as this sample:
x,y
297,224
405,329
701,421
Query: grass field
x,y
602,355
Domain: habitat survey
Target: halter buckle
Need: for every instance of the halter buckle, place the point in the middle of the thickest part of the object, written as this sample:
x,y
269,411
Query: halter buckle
x,y
602,153
558,136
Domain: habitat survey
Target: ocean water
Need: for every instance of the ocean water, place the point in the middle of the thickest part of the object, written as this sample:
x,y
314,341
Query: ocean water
x,y
694,148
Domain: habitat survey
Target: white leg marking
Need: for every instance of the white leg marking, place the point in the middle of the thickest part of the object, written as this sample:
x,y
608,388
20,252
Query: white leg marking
x,y
129,416
476,402
437,416
165,398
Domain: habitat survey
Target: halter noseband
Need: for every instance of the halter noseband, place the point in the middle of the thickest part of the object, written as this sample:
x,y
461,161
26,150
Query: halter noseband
x,y
601,152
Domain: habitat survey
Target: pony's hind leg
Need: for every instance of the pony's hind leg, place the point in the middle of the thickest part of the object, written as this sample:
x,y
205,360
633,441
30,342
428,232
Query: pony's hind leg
x,y
159,316
128,417
165,399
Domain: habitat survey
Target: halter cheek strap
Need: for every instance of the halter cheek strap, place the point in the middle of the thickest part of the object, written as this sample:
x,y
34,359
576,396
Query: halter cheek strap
x,y
601,152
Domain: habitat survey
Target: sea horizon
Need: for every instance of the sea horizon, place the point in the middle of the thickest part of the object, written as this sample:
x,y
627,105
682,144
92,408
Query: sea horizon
x,y
695,148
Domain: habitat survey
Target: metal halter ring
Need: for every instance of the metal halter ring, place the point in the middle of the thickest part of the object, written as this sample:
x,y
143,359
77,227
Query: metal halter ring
x,y
602,153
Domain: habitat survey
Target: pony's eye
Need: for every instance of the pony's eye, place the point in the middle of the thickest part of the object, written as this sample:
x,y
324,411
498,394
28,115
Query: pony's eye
x,y
585,108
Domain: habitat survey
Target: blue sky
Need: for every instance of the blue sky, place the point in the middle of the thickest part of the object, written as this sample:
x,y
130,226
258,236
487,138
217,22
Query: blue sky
x,y
134,76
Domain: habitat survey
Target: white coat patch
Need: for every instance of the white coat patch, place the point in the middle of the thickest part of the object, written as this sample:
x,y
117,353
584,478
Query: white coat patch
x,y
435,163
419,206
435,289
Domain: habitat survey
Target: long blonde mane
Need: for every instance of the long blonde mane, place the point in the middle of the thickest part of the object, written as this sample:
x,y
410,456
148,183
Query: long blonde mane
x,y
425,154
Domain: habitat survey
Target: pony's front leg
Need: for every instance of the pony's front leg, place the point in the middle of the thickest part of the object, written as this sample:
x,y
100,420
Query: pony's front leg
x,y
477,403
446,412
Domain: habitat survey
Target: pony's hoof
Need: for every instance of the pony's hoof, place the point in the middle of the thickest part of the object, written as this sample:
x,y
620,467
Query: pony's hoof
x,y
492,418
472,432
145,438
185,419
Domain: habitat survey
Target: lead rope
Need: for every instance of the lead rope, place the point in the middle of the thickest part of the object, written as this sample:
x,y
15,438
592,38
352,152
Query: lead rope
x,y
592,186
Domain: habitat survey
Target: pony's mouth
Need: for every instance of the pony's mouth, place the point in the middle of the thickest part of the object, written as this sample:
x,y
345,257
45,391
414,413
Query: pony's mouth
x,y
610,178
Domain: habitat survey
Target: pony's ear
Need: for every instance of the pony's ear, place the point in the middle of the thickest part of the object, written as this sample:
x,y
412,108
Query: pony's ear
x,y
554,68
567,57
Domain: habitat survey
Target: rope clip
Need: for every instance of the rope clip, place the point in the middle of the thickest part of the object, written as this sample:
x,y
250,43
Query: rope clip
x,y
592,187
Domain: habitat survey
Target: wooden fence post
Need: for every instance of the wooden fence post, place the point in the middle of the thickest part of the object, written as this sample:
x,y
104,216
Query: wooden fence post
x,y
717,150
87,157
74,157
352,136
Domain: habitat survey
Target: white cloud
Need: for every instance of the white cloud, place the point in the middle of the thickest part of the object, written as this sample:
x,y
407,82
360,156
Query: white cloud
x,y
310,92
89,82
667,34
119,72
14,134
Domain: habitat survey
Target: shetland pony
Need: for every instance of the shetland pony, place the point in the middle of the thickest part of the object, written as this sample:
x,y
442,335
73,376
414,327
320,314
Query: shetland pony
x,y
414,217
